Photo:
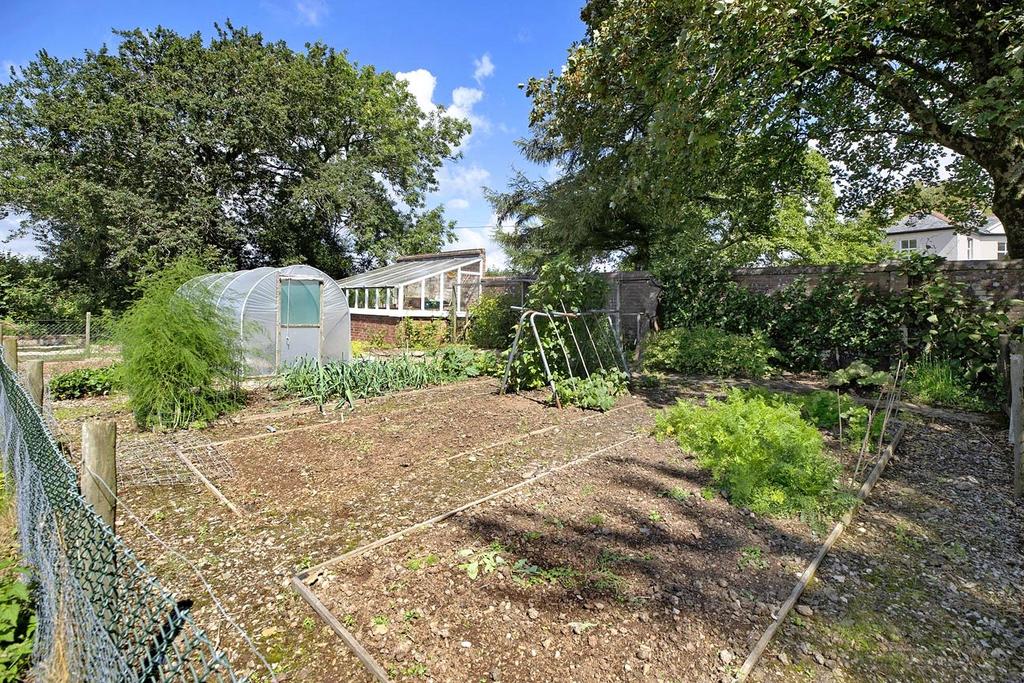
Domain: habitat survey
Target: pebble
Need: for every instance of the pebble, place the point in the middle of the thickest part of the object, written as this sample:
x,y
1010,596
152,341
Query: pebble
x,y
644,653
725,656
533,613
466,643
804,610
784,658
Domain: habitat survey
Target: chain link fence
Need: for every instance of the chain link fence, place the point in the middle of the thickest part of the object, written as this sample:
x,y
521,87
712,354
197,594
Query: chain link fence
x,y
102,616
56,338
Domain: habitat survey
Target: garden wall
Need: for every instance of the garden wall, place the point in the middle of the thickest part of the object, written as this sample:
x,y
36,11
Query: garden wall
x,y
634,293
991,280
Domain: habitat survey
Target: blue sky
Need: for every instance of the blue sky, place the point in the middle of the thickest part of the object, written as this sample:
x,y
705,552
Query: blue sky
x,y
468,54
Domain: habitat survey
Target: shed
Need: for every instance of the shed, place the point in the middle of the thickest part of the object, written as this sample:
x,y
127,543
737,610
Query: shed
x,y
283,314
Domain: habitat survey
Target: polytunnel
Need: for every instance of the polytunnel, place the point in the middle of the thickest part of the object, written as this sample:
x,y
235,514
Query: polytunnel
x,y
283,314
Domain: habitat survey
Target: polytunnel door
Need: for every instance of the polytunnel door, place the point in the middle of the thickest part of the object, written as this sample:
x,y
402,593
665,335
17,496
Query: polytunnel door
x,y
298,334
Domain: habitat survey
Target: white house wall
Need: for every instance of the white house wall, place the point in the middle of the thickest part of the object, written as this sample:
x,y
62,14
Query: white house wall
x,y
950,245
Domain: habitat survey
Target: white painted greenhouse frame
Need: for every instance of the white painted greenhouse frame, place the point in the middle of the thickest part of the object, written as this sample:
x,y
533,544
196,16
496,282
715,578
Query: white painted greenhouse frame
x,y
283,314
417,286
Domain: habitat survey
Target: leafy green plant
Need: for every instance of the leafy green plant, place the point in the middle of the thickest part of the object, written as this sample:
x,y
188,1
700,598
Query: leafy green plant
x,y
491,322
678,494
424,335
563,284
750,557
17,623
763,454
825,410
366,378
83,382
182,361
710,351
483,562
943,383
596,392
858,374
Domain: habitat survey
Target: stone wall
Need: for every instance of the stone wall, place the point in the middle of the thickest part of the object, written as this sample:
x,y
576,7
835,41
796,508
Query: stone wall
x,y
992,280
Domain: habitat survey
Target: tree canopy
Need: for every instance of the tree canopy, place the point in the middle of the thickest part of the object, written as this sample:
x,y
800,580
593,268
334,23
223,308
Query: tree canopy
x,y
689,115
236,150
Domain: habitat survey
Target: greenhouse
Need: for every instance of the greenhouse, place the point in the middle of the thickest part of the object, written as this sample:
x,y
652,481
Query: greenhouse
x,y
283,314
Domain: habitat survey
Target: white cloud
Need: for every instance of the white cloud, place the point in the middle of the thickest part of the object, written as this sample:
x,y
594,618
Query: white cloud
x,y
457,204
25,246
311,12
463,101
461,181
484,67
421,84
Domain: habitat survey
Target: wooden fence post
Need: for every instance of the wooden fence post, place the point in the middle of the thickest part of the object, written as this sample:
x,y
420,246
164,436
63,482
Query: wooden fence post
x,y
11,352
34,381
1016,423
99,467
88,332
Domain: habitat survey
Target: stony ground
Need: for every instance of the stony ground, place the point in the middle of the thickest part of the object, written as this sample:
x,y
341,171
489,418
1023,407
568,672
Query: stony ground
x,y
928,583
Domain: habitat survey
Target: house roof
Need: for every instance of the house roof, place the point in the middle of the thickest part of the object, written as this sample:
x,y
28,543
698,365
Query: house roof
x,y
936,221
410,269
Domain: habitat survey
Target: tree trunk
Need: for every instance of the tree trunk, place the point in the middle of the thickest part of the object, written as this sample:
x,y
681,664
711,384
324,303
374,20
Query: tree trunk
x,y
1008,206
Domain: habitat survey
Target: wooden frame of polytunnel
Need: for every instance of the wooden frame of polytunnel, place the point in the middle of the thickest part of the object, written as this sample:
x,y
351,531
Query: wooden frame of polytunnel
x,y
283,315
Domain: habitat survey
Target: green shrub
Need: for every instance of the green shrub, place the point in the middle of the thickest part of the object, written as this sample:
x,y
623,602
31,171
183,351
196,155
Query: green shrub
x,y
422,335
709,351
181,355
825,409
942,383
17,612
762,453
596,392
491,322
83,382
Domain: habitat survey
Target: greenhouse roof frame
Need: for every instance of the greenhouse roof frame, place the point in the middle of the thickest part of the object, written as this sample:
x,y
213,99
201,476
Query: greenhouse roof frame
x,y
407,272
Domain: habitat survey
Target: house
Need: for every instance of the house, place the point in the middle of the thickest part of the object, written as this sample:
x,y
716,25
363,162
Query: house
x,y
933,233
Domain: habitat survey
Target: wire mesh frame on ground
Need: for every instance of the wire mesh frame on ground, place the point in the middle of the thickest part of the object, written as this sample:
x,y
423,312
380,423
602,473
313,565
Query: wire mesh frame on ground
x,y
102,616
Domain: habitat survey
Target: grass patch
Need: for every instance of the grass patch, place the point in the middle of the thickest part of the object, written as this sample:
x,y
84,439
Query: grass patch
x,y
942,383
761,452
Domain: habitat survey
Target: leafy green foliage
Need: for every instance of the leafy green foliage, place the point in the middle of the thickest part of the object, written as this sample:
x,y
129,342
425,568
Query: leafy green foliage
x,y
810,325
596,392
709,351
29,291
491,322
763,454
242,150
858,374
17,623
83,382
666,110
562,285
359,379
942,383
423,335
826,410
181,354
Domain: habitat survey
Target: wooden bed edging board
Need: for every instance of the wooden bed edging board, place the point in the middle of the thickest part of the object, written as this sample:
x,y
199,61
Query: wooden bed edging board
x,y
808,574
301,581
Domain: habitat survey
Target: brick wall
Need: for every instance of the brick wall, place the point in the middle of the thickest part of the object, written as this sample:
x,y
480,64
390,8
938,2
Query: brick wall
x,y
369,327
993,280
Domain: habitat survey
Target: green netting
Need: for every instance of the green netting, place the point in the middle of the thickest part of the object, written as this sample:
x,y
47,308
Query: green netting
x,y
102,616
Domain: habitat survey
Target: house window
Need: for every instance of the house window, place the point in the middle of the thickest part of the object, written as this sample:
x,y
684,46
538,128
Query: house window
x,y
1001,249
908,245
970,248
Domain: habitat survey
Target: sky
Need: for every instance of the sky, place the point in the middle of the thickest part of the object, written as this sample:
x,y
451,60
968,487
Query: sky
x,y
469,56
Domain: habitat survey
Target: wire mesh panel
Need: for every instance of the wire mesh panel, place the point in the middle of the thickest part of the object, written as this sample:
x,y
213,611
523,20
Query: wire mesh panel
x,y
102,616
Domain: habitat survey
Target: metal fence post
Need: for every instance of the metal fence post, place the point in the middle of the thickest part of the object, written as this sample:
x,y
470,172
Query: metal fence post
x,y
88,332
11,352
1016,426
99,467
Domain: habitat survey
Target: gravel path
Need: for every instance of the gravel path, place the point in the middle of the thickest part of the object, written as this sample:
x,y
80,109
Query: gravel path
x,y
928,583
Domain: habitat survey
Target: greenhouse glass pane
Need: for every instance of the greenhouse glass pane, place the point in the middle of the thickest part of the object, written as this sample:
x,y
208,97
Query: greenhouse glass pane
x,y
300,302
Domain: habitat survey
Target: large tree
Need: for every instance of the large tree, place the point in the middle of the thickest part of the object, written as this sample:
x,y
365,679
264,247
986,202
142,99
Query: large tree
x,y
669,108
237,150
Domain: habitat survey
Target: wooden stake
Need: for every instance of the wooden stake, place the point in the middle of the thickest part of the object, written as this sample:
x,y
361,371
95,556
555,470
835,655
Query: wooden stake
x,y
34,381
88,333
1017,420
99,467
11,352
